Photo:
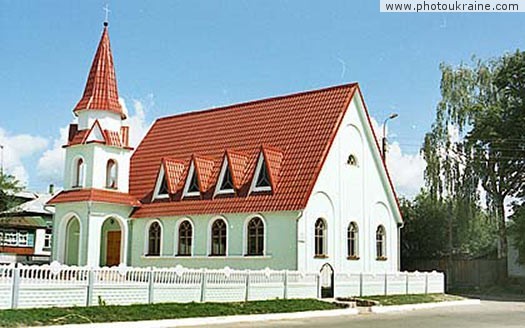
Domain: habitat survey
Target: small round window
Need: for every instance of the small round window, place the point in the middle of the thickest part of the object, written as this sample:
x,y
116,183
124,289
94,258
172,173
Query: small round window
x,y
352,160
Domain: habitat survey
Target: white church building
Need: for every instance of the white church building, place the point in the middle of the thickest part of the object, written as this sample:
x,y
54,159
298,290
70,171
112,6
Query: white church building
x,y
292,182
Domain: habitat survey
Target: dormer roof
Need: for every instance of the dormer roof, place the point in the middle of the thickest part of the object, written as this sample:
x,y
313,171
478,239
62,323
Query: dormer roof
x,y
101,91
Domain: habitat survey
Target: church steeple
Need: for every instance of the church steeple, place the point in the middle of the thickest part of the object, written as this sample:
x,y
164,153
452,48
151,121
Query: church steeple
x,y
101,92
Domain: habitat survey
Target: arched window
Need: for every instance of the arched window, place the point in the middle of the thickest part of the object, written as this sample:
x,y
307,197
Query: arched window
x,y
79,168
112,174
320,238
185,236
218,238
255,242
381,243
154,238
352,241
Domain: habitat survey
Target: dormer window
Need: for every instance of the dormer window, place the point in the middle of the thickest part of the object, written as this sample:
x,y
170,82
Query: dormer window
x,y
261,181
161,187
192,183
225,183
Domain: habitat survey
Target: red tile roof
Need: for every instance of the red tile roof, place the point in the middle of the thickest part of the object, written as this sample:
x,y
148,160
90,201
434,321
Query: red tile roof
x,y
95,195
175,172
238,164
101,91
296,131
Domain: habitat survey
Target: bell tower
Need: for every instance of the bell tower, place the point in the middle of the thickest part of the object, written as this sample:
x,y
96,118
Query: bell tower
x,y
98,152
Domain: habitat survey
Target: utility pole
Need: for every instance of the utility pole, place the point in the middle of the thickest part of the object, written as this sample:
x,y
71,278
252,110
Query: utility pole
x,y
384,143
2,160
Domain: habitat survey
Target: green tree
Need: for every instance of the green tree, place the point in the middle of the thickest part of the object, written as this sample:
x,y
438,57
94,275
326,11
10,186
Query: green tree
x,y
429,234
9,185
517,231
485,104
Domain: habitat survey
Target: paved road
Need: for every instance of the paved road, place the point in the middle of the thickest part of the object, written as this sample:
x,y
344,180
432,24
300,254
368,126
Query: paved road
x,y
488,314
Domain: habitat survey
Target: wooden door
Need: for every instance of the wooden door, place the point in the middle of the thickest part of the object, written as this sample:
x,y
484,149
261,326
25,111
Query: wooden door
x,y
113,248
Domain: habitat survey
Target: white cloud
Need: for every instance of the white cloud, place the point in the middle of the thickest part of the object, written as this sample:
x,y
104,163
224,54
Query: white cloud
x,y
16,149
406,170
51,164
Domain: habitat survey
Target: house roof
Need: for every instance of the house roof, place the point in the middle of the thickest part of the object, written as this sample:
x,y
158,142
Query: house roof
x,y
294,132
101,91
95,195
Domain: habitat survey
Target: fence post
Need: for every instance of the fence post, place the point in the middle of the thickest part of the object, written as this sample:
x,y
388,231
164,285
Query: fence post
x,y
247,291
406,287
15,287
318,281
151,281
361,284
204,277
426,282
91,281
386,284
285,296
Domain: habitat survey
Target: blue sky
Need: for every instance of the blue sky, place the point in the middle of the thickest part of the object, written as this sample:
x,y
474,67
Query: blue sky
x,y
175,56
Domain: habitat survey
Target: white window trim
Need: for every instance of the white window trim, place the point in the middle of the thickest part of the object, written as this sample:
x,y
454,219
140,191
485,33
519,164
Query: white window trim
x,y
218,190
108,174
357,239
245,235
146,238
185,192
158,184
176,241
74,173
253,188
209,237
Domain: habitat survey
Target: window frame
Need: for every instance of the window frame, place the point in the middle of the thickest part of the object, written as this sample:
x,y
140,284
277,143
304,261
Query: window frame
x,y
320,239
212,237
79,173
179,237
247,236
381,251
261,163
161,180
225,168
352,241
109,174
148,252
192,172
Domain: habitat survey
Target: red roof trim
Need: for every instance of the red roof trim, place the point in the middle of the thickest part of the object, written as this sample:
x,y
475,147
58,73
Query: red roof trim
x,y
95,195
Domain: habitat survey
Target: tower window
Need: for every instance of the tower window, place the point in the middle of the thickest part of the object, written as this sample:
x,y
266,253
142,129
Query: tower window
x,y
381,243
112,174
79,171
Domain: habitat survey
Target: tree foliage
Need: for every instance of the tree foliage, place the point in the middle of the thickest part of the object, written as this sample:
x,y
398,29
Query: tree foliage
x,y
429,234
517,231
9,185
483,105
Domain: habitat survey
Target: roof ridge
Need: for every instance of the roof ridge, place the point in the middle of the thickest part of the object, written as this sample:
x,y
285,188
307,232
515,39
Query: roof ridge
x,y
252,102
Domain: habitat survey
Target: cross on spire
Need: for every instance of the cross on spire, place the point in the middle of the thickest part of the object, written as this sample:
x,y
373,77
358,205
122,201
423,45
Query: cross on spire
x,y
106,9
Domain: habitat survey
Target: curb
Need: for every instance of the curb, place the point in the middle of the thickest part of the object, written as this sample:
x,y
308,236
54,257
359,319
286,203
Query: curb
x,y
420,306
207,321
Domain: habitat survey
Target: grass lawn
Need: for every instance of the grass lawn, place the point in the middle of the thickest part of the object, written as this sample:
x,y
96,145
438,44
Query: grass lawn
x,y
58,316
412,298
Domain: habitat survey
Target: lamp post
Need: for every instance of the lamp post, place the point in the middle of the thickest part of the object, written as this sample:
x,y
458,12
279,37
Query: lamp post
x,y
390,117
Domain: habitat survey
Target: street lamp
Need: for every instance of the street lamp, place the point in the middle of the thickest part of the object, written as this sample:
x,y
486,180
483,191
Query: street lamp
x,y
390,117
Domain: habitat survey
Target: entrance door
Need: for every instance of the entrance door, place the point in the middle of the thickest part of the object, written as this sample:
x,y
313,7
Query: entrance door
x,y
327,281
113,248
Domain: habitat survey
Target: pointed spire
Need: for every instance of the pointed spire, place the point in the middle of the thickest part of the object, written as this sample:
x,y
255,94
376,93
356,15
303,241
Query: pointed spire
x,y
101,87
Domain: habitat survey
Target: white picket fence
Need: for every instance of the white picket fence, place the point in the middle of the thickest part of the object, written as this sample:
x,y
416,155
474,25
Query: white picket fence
x,y
57,285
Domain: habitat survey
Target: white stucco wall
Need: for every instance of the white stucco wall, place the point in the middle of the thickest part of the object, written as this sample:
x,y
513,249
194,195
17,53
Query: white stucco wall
x,y
345,193
108,120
